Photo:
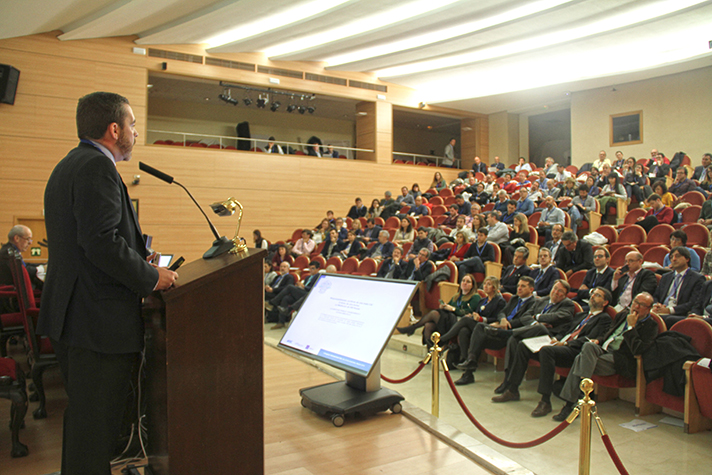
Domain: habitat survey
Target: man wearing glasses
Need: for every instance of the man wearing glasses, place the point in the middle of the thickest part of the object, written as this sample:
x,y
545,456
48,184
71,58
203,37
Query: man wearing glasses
x,y
632,332
18,240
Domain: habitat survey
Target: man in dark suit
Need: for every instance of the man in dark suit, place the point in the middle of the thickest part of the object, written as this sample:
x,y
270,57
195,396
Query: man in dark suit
x,y
18,240
557,230
632,332
283,280
292,293
358,210
97,276
392,268
600,276
478,166
626,285
383,248
519,268
578,255
351,247
371,231
419,267
545,275
680,292
564,347
699,173
495,335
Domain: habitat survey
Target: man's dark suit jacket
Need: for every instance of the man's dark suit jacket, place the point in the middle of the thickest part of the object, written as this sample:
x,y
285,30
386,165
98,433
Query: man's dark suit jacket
x,y
482,168
556,318
509,282
636,341
561,250
425,269
592,279
355,213
386,252
516,322
97,272
644,282
372,233
544,285
386,268
8,251
689,299
580,258
355,248
284,281
698,173
594,329
487,254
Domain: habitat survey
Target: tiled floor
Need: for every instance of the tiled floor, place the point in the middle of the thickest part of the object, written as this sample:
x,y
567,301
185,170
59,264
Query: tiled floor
x,y
662,450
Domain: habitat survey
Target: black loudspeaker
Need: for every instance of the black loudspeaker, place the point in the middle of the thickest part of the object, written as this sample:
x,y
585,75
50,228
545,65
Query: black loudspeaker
x,y
9,77
243,131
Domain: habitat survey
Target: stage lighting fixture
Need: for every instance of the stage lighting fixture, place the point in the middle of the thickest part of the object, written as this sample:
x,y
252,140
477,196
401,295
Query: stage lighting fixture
x,y
275,105
261,102
302,109
247,101
311,109
291,108
226,96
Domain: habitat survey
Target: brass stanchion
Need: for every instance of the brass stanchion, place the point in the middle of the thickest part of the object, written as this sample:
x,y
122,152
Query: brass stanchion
x,y
435,352
587,405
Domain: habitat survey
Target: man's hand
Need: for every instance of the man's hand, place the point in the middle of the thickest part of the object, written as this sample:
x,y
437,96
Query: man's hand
x,y
504,324
166,278
661,309
268,288
633,318
617,274
569,272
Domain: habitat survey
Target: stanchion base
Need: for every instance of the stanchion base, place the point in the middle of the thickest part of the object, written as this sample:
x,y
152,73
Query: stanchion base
x,y
336,400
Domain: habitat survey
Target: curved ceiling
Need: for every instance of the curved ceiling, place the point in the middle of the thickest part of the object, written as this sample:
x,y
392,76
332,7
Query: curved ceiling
x,y
476,55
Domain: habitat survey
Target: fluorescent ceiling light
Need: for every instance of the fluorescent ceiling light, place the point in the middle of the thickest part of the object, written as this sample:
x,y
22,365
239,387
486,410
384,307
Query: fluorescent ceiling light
x,y
360,26
446,33
637,15
297,13
646,53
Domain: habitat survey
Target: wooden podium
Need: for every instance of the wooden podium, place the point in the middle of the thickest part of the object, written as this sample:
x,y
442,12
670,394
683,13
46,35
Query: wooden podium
x,y
204,350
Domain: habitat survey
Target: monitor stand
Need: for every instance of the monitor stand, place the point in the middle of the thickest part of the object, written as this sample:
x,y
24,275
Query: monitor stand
x,y
357,394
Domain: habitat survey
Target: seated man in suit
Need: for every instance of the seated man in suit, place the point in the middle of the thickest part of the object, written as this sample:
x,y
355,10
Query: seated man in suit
x,y
679,292
554,244
392,268
358,210
419,267
563,348
630,280
578,255
600,276
281,303
371,232
498,164
700,171
508,216
283,280
383,249
479,252
478,166
351,247
631,333
405,198
421,242
545,275
511,274
525,205
419,209
494,336
18,239
332,245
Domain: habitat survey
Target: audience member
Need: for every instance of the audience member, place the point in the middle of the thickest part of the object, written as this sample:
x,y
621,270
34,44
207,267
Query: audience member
x,y
545,275
581,207
392,267
19,239
522,165
358,210
331,244
305,245
383,248
282,302
405,198
599,276
549,217
498,232
657,214
449,154
631,280
578,255
518,236
280,283
273,147
682,184
282,255
458,251
601,161
524,204
679,238
680,292
438,183
419,267
476,255
375,210
404,233
512,274
260,242
554,244
508,215
422,241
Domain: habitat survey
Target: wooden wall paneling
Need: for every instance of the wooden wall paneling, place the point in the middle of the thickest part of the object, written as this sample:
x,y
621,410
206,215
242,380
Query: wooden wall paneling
x,y
366,129
468,142
384,132
482,139
19,198
31,160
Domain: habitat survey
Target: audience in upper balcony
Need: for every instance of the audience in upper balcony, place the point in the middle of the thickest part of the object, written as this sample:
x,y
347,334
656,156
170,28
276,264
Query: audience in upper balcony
x,y
358,210
330,152
273,147
449,154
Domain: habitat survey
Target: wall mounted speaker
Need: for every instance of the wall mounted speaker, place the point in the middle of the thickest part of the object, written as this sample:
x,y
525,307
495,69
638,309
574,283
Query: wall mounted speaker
x,y
9,77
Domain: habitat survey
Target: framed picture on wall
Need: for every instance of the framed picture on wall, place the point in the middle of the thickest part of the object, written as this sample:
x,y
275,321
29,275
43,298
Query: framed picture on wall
x,y
626,128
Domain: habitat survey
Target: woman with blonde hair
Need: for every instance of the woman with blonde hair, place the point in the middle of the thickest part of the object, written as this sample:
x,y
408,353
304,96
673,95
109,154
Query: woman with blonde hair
x,y
457,253
442,319
518,236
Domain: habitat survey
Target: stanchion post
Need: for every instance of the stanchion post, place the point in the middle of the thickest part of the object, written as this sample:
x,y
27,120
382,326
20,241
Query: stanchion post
x,y
586,405
435,351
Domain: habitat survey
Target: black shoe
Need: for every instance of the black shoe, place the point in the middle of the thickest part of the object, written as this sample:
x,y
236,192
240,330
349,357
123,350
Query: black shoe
x,y
408,331
501,388
468,364
507,396
466,378
564,414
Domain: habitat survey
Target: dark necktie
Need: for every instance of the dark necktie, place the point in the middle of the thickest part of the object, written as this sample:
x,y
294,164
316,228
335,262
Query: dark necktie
x,y
514,312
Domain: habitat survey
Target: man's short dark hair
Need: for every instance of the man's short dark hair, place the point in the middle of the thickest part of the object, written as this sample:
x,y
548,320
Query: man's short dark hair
x,y
683,252
654,197
564,283
605,252
606,294
316,264
679,234
457,197
684,170
423,228
511,202
523,250
494,214
584,187
98,110
528,280
558,224
371,220
569,236
309,232
483,230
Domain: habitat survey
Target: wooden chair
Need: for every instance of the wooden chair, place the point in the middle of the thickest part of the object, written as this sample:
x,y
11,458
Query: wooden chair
x,y
632,217
533,246
334,261
698,398
367,266
689,215
693,197
12,387
575,282
609,232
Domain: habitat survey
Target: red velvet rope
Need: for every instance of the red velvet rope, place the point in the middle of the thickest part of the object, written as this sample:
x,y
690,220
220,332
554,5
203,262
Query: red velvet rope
x,y
614,455
511,445
407,378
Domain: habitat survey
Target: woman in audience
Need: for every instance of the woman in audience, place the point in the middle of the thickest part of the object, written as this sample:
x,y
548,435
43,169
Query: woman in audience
x,y
441,320
518,236
438,183
628,167
356,227
280,256
611,192
305,245
375,210
635,182
270,275
404,234
486,311
260,243
706,184
593,190
460,248
660,188
478,221
570,190
415,191
322,232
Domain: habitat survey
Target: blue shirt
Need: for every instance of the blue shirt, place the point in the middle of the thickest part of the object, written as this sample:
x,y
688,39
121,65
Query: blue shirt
x,y
694,260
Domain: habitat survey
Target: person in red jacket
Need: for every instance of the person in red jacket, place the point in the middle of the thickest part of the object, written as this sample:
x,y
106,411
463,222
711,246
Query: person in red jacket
x,y
657,214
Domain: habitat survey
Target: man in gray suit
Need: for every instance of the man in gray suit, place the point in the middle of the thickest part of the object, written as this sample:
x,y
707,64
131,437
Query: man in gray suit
x,y
97,276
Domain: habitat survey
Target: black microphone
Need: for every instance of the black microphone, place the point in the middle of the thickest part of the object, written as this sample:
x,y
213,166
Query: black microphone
x,y
221,244
158,174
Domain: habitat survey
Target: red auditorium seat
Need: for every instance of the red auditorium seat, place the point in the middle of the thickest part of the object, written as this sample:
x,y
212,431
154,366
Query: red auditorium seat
x,y
632,234
659,235
689,215
656,254
697,234
693,197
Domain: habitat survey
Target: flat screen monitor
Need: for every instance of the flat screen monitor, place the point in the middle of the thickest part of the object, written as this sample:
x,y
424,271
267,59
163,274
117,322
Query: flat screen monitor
x,y
346,320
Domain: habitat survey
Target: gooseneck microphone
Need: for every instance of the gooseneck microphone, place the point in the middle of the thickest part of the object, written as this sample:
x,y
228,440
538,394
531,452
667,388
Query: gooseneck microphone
x,y
221,244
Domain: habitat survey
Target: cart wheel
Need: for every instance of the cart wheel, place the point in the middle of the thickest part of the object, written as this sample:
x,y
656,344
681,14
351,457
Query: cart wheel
x,y
304,403
337,420
396,408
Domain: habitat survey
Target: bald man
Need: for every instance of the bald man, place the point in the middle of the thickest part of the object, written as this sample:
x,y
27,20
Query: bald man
x,y
18,240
